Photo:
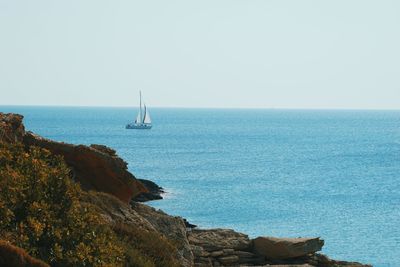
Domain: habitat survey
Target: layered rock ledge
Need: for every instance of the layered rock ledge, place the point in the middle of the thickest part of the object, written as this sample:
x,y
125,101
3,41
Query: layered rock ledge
x,y
98,168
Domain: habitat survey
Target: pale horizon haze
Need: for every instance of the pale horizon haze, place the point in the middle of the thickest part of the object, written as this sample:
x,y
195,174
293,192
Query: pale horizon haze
x,y
342,54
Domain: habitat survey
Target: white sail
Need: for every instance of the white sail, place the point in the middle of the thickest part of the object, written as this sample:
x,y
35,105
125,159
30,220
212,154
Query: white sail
x,y
143,120
139,117
147,118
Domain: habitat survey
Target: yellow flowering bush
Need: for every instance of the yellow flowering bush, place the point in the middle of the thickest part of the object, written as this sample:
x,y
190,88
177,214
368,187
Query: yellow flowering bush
x,y
40,212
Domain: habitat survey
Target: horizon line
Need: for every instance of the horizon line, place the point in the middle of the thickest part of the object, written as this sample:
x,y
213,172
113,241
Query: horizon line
x,y
184,107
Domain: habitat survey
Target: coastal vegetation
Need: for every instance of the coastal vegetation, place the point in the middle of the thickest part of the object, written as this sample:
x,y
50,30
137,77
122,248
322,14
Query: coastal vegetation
x,y
41,211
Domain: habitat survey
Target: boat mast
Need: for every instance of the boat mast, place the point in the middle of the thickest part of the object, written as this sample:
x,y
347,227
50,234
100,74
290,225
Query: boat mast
x,y
140,106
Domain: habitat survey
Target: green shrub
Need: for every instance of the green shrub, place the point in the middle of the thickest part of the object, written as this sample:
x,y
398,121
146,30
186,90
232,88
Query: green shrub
x,y
40,212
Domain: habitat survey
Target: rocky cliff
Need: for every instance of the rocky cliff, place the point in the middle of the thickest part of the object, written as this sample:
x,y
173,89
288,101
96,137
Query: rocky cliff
x,y
95,167
98,168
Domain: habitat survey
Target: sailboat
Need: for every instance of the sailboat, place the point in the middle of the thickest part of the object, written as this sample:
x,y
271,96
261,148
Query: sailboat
x,y
143,120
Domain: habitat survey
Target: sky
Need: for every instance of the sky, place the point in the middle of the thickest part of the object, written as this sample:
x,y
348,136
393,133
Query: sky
x,y
209,53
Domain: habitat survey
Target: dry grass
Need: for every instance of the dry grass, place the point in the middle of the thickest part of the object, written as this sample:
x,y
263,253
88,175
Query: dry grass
x,y
146,248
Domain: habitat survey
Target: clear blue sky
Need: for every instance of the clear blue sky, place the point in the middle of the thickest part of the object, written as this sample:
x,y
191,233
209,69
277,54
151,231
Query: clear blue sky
x,y
208,53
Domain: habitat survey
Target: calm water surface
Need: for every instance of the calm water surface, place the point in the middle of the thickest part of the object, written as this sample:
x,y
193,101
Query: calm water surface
x,y
288,173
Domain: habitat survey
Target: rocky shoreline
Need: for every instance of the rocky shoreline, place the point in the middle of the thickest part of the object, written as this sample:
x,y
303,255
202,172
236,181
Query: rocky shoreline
x,y
154,191
117,193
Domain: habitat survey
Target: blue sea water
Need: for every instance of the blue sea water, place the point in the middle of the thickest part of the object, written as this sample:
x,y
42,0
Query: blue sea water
x,y
287,173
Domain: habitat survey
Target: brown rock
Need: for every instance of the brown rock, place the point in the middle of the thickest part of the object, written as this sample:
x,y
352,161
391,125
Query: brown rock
x,y
216,253
324,261
199,251
259,261
229,260
228,251
290,265
172,227
203,262
245,254
146,218
284,248
114,210
154,191
95,167
218,239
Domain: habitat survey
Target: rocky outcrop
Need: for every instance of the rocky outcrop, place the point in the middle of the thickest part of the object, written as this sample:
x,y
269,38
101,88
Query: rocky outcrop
x,y
224,247
146,218
170,226
95,167
284,248
321,260
11,128
154,191
217,239
114,210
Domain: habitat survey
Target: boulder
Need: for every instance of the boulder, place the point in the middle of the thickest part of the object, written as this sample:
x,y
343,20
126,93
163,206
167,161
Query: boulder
x,y
219,239
284,248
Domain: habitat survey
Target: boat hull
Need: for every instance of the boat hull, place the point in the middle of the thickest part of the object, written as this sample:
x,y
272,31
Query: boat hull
x,y
138,126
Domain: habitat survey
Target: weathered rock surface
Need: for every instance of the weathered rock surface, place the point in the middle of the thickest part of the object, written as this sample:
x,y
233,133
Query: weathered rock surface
x,y
228,260
95,167
11,128
284,248
141,216
222,247
113,210
289,265
172,227
218,239
321,260
154,191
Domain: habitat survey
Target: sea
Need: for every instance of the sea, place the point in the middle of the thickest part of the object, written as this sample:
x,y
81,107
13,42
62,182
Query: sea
x,y
265,172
